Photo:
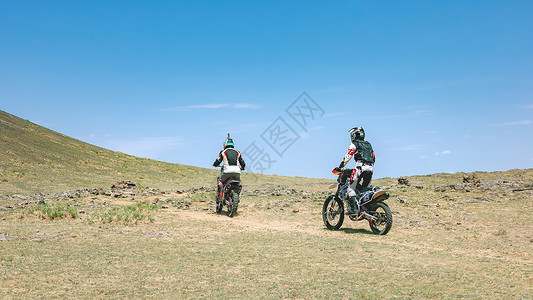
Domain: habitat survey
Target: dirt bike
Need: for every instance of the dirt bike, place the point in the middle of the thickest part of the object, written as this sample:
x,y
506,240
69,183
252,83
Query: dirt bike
x,y
228,195
370,202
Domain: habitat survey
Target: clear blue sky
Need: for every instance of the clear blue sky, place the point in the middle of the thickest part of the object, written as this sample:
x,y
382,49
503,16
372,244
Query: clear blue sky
x,y
439,86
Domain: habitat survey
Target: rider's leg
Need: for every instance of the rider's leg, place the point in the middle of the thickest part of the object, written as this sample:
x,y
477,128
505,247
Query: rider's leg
x,y
353,208
366,176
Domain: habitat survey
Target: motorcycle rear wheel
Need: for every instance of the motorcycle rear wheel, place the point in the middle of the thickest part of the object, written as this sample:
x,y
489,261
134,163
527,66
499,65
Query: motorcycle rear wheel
x,y
333,213
234,203
384,223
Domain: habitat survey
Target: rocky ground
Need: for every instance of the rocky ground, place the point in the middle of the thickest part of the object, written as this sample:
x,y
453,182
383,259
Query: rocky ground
x,y
403,191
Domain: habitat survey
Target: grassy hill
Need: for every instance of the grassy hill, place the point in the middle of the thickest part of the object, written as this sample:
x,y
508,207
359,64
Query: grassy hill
x,y
37,159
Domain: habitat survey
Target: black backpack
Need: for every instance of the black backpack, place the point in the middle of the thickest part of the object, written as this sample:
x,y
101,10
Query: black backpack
x,y
364,152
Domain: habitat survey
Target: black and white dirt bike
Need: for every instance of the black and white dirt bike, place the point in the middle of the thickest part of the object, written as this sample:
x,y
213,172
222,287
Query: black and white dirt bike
x,y
228,195
371,206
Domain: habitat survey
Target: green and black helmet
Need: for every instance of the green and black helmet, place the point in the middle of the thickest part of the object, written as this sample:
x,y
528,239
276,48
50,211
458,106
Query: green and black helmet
x,y
228,143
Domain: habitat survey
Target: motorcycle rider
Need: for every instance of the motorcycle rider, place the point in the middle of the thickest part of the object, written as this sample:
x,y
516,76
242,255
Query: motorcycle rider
x,y
361,176
232,163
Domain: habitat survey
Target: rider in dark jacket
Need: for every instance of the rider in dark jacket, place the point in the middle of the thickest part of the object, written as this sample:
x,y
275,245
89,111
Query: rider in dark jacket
x,y
364,158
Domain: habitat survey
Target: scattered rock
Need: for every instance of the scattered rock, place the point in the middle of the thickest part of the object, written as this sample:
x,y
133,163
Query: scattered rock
x,y
446,188
403,201
124,184
471,179
403,181
5,237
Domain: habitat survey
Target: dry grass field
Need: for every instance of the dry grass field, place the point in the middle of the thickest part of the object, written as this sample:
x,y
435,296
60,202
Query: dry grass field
x,y
448,241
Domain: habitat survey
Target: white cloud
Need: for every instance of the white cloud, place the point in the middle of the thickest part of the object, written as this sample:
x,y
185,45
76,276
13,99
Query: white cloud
x,y
213,106
514,123
528,106
246,106
443,152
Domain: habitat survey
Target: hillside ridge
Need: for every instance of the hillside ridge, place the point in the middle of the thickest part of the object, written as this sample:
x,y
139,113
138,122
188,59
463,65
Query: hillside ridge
x,y
35,158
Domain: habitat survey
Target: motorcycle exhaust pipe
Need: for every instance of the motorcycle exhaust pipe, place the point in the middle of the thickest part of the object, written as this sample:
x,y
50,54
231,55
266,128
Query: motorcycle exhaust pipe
x,y
368,216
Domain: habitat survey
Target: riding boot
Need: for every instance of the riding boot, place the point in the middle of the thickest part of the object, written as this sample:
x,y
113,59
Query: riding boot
x,y
351,206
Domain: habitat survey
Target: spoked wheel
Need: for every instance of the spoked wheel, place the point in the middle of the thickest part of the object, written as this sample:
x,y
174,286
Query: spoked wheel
x,y
234,203
333,213
383,214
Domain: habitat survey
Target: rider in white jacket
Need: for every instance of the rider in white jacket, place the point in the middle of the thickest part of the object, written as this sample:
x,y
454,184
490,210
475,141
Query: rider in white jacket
x,y
232,163
364,158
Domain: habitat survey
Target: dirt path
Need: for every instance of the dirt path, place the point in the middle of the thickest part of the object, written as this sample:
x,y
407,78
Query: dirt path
x,y
312,225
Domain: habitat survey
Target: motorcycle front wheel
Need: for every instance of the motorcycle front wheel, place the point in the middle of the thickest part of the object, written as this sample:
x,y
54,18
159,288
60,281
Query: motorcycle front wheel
x,y
383,214
333,213
234,203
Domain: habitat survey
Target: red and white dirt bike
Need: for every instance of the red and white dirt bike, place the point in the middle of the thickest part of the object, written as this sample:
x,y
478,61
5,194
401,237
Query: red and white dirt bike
x,y
228,196
370,201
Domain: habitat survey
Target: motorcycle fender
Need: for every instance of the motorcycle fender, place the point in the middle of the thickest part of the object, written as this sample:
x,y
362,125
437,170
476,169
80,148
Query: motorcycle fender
x,y
380,196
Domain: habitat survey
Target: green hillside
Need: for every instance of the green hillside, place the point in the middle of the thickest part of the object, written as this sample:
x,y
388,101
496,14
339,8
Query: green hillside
x,y
36,159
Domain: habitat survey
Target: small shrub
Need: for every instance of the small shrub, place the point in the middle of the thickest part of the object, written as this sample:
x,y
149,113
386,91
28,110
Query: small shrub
x,y
54,211
127,214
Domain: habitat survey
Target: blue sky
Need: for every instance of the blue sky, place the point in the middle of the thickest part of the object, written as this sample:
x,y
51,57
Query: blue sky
x,y
439,86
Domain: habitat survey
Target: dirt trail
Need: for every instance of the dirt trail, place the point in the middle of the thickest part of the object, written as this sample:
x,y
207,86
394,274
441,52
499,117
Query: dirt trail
x,y
313,226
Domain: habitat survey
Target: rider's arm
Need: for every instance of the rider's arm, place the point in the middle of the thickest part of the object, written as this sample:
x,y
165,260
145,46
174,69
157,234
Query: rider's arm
x,y
241,162
218,160
348,156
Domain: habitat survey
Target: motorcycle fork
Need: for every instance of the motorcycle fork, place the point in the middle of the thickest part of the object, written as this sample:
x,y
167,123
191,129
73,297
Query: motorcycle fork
x,y
220,190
